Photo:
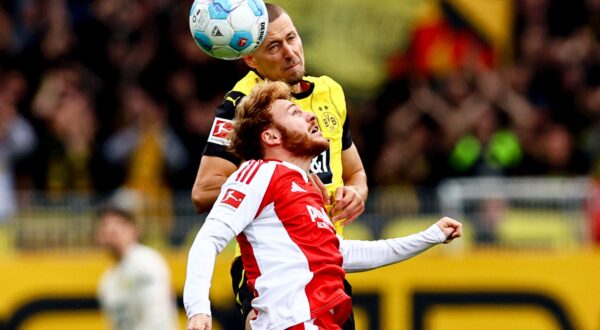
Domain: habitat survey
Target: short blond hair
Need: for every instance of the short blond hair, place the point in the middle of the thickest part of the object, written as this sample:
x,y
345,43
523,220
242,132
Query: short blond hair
x,y
252,117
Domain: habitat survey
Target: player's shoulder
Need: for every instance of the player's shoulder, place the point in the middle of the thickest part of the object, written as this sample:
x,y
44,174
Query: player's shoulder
x,y
323,82
142,255
289,170
245,85
264,169
242,88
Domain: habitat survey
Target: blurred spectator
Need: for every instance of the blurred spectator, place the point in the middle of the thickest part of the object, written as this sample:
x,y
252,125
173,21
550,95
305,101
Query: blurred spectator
x,y
554,154
136,292
149,152
488,149
17,139
64,106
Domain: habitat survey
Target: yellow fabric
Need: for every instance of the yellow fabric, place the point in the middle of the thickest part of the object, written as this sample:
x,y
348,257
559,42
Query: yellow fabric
x,y
147,164
328,102
145,180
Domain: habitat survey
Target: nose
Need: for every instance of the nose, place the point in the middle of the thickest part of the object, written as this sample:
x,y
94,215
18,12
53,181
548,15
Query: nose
x,y
310,117
287,50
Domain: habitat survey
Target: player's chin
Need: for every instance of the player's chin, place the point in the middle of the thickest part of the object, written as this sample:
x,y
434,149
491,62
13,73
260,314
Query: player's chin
x,y
294,76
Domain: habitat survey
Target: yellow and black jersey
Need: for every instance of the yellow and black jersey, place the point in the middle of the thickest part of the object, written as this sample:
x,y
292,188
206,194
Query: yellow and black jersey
x,y
324,97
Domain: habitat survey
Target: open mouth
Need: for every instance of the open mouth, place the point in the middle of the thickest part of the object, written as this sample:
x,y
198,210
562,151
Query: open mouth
x,y
315,130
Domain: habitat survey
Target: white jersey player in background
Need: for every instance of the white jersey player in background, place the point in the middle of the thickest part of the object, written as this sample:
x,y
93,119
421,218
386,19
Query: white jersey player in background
x,y
294,261
136,292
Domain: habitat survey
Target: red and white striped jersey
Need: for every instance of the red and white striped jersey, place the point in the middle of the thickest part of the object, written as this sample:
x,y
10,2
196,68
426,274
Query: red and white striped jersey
x,y
289,247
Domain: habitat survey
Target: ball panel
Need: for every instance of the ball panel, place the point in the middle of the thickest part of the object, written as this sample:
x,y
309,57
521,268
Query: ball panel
x,y
241,40
242,18
203,41
199,18
259,31
258,8
225,52
219,31
219,9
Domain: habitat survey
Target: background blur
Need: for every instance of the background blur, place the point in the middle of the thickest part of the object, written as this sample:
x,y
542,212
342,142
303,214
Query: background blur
x,y
485,110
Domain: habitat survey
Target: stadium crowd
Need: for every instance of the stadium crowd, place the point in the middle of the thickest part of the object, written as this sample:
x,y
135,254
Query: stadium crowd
x,y
106,94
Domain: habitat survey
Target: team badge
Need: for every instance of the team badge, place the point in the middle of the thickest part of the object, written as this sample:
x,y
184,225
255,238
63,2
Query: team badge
x,y
219,133
330,121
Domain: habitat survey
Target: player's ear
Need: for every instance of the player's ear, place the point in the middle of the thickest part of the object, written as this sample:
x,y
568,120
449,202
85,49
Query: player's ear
x,y
249,60
271,136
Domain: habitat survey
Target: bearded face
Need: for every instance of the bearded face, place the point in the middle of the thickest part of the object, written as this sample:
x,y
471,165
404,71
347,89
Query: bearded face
x,y
302,143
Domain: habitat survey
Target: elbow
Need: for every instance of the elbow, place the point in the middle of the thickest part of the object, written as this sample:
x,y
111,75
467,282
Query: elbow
x,y
199,199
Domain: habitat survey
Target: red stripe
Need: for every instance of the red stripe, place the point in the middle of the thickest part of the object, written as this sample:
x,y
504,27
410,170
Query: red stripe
x,y
249,261
254,172
242,173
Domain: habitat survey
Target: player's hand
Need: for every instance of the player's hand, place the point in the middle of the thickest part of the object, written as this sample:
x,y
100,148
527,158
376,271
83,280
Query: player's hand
x,y
199,322
451,228
251,316
317,183
347,205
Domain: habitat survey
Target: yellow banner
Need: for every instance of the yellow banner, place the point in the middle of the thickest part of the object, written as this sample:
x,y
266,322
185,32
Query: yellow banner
x,y
435,291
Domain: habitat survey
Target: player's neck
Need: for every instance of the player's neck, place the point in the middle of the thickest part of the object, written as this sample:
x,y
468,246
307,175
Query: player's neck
x,y
121,249
300,87
284,155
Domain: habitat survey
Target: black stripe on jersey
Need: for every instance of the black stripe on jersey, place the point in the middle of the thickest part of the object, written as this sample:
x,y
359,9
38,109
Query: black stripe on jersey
x,y
225,110
346,136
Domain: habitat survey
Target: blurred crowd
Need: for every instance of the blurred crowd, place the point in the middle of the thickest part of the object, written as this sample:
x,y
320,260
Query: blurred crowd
x,y
107,95
534,113
97,96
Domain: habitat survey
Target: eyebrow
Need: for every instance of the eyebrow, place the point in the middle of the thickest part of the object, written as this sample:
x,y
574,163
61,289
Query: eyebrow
x,y
291,105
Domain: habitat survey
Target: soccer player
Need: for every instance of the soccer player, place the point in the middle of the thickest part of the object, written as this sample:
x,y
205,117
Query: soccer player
x,y
135,293
281,58
294,260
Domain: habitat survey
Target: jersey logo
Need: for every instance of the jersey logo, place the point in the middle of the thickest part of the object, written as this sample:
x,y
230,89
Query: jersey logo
x,y
233,198
319,216
330,121
219,133
232,100
321,167
297,188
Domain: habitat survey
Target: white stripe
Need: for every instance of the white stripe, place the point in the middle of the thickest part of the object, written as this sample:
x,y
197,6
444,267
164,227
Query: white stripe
x,y
246,167
310,325
279,260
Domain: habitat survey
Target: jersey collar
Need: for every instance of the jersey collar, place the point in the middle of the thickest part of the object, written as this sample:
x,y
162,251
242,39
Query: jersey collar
x,y
306,86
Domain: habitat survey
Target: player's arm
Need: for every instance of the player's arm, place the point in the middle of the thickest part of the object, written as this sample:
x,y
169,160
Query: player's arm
x,y
210,241
217,162
235,208
200,322
349,200
366,255
212,174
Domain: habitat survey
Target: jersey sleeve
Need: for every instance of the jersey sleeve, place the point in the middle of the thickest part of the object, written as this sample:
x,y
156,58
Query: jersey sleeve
x,y
366,255
242,194
218,141
236,206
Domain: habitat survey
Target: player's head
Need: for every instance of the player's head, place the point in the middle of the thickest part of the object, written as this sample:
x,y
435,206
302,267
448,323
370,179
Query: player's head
x,y
267,119
280,57
116,229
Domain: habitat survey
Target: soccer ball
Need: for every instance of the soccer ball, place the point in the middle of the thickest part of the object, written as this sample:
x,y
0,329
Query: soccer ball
x,y
228,29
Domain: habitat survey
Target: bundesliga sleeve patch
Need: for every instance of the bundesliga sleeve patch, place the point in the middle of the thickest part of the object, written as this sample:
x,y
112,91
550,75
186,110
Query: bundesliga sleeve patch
x,y
220,130
233,198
